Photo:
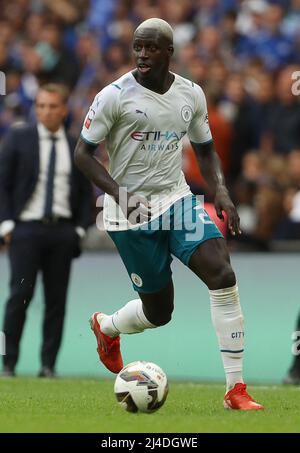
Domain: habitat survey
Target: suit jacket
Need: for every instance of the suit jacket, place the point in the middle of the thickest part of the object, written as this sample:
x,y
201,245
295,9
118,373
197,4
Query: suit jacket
x,y
19,171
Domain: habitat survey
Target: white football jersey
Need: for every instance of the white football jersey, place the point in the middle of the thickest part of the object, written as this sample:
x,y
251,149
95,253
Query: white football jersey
x,y
144,132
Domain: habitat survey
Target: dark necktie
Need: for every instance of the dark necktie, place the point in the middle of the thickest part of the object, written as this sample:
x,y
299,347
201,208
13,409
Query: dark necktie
x,y
50,179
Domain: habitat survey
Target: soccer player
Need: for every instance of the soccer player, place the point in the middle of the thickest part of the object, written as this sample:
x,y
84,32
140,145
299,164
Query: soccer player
x,y
149,210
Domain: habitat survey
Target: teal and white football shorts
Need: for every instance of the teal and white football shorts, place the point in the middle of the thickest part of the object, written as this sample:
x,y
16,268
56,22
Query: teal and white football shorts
x,y
147,251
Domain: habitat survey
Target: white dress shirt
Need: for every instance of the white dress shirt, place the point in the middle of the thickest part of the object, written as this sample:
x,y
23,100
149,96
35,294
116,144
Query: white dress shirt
x,y
34,209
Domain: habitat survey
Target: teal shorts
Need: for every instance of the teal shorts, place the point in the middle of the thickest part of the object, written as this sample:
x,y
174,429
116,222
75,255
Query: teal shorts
x,y
147,251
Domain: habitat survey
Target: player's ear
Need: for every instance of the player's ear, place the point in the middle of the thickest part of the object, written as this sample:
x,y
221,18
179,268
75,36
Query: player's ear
x,y
171,49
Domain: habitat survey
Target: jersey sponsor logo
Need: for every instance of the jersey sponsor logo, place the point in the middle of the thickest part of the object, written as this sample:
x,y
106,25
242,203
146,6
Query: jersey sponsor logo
x,y
159,147
186,113
89,118
136,280
141,136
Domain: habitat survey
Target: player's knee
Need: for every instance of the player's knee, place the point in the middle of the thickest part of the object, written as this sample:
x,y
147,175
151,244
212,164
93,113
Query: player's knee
x,y
162,318
228,279
223,278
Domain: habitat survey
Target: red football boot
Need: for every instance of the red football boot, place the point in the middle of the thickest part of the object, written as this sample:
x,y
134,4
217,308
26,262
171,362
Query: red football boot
x,y
238,398
108,348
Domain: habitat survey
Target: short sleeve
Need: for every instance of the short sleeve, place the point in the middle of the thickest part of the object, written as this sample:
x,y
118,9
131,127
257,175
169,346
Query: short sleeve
x,y
199,131
102,115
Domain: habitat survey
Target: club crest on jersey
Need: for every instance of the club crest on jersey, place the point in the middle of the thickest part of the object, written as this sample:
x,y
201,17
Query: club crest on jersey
x,y
186,113
136,280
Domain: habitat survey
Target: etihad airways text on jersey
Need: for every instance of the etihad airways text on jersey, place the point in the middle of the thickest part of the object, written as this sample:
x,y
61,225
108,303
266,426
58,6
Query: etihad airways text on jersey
x,y
140,136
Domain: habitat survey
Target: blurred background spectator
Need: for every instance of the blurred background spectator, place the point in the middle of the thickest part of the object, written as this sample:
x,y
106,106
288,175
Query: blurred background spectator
x,y
243,54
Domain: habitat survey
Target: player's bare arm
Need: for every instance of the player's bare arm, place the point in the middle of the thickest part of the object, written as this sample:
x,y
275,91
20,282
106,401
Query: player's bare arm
x,y
93,169
134,207
209,164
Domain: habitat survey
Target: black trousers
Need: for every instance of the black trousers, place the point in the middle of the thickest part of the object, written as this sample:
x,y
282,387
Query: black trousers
x,y
35,247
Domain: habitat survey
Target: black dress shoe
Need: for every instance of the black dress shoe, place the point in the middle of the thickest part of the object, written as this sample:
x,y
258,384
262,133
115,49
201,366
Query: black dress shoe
x,y
8,372
47,372
292,378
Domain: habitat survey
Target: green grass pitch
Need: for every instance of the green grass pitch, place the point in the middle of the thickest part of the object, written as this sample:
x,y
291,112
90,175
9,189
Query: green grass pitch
x,y
89,405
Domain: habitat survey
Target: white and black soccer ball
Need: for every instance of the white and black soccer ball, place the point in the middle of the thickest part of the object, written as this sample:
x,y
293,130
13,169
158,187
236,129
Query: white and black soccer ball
x,y
141,386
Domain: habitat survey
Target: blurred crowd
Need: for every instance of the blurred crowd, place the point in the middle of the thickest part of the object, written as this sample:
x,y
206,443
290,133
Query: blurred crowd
x,y
245,55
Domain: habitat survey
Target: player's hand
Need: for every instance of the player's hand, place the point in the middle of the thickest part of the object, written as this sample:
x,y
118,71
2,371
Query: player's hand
x,y
224,203
136,208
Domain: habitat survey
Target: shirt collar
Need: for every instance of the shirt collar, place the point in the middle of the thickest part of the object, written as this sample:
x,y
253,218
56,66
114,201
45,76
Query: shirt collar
x,y
44,133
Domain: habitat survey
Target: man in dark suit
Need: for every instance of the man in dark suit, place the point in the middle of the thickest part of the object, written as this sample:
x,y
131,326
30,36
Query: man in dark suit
x,y
45,207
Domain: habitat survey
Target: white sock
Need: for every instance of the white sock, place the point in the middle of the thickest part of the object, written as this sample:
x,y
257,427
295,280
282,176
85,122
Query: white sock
x,y
129,319
228,321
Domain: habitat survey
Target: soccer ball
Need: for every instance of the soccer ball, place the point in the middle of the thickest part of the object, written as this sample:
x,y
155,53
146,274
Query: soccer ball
x,y
141,386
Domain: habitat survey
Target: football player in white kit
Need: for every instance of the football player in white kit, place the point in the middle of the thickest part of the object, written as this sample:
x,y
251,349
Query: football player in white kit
x,y
149,210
